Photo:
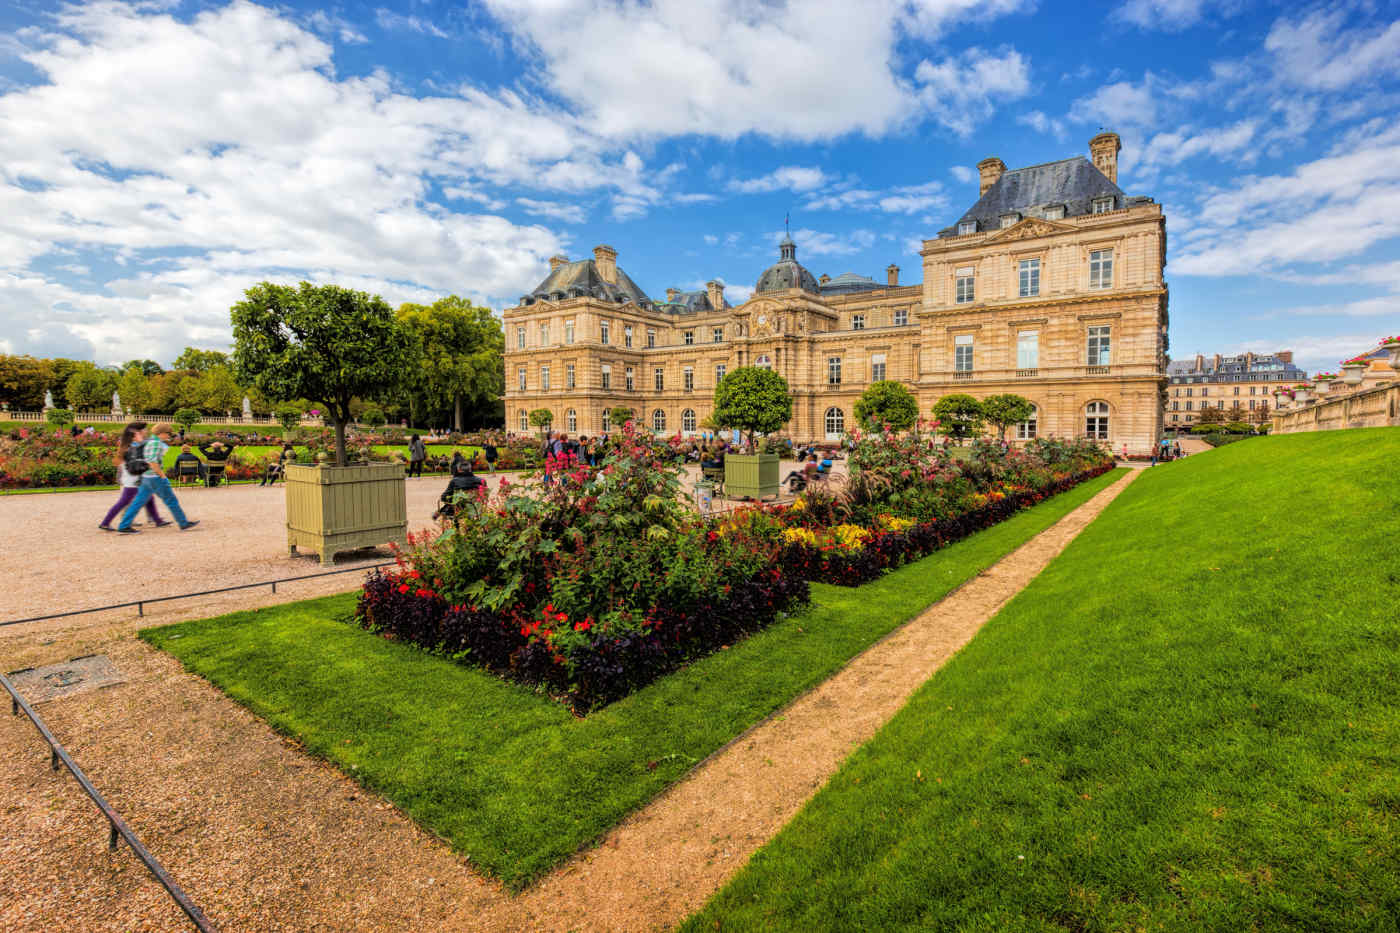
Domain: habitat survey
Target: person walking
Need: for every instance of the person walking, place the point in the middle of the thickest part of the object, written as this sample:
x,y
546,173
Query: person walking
x,y
154,482
417,453
133,435
488,450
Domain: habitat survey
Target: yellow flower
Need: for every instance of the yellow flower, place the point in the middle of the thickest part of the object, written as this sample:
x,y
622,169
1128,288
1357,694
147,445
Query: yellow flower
x,y
803,536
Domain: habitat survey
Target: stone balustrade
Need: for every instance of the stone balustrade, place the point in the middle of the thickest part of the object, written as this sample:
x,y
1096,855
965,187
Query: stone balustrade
x,y
1367,408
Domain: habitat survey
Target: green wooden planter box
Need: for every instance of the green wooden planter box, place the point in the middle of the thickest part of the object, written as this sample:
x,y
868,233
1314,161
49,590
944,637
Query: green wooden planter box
x,y
754,476
334,509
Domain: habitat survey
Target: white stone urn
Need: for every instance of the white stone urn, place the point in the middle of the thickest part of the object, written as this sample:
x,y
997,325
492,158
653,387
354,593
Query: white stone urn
x,y
1394,350
1301,394
1353,373
1321,387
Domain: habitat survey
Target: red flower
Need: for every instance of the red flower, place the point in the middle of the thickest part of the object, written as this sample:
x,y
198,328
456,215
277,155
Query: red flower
x,y
583,626
403,587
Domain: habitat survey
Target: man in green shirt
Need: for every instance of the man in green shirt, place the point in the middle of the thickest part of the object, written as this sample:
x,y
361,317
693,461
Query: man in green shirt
x,y
154,482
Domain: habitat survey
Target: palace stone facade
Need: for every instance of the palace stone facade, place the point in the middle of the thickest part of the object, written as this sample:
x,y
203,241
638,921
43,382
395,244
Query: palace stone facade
x,y
1050,286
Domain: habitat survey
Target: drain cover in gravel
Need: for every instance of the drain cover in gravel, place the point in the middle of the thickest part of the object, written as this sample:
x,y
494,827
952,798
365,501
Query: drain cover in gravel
x,y
79,675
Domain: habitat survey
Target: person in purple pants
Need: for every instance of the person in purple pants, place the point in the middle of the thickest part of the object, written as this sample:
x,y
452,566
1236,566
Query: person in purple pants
x,y
134,433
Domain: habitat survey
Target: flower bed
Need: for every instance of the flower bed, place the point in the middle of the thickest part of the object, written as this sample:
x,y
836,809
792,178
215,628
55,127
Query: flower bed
x,y
597,583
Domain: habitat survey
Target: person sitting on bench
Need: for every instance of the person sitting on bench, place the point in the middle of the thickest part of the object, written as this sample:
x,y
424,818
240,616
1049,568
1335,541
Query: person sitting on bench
x,y
215,454
187,464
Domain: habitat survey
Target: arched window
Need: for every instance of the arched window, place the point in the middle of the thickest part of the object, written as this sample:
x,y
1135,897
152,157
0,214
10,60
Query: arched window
x,y
658,421
835,424
571,419
764,362
607,420
1027,430
1096,421
524,422
688,420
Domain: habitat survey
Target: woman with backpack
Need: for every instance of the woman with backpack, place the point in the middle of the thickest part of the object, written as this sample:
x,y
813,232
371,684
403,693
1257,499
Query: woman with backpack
x,y
131,439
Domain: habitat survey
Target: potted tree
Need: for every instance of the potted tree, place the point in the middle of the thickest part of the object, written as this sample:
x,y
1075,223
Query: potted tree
x,y
756,401
542,418
327,344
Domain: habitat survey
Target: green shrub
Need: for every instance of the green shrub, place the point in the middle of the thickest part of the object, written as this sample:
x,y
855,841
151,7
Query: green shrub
x,y
59,417
373,417
187,418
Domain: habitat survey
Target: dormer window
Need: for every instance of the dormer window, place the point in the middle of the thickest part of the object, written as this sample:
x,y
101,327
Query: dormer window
x,y
1009,220
1103,205
1055,212
966,227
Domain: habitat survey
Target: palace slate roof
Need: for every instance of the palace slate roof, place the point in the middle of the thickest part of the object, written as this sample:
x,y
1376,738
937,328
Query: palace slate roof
x,y
787,272
582,279
1073,183
848,283
697,302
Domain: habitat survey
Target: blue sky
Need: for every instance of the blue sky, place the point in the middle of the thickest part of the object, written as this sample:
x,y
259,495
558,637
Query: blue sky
x,y
157,158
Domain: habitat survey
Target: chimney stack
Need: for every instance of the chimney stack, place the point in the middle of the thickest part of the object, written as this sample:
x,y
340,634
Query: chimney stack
x,y
672,294
556,261
1103,152
1200,363
990,170
605,259
716,289
823,279
1285,356
892,275
1217,362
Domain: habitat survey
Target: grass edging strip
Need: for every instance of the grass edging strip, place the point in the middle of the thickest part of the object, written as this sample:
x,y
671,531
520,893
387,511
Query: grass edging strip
x,y
505,775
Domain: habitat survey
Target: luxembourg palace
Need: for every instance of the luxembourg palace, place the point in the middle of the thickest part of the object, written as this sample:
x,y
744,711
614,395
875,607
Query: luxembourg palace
x,y
1050,287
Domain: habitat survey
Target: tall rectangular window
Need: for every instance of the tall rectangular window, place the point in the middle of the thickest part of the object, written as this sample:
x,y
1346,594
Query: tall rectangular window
x,y
689,338
833,370
1103,205
877,367
544,335
520,378
544,378
1030,278
858,322
520,338
688,377
660,379
719,335
604,328
965,289
1028,349
627,335
901,317
607,376
1101,268
569,332
1100,346
569,374
651,337
631,384
962,353
719,373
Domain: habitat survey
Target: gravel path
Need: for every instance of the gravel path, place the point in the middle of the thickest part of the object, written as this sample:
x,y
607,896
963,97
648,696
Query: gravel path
x,y
264,837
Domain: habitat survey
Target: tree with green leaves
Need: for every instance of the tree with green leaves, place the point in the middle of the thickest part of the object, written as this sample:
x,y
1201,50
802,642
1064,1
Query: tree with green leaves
x,y
24,380
58,417
199,361
542,418
754,400
887,402
460,361
620,415
89,388
959,416
1210,415
288,415
372,417
135,389
219,391
187,418
62,369
323,343
145,367
1002,411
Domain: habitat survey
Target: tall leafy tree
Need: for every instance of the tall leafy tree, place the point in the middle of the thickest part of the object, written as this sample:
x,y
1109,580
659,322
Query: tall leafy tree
x,y
754,400
887,402
324,343
959,415
460,350
23,381
220,391
199,361
89,388
146,367
63,369
1002,411
136,390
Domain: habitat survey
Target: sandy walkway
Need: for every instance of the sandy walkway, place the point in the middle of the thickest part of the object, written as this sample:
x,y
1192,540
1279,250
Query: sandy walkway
x,y
264,838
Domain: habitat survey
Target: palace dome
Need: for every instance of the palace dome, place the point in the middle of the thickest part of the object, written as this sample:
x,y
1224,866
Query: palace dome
x,y
786,273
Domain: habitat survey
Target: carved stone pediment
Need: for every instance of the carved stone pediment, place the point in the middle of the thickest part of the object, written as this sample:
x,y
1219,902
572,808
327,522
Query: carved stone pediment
x,y
1029,228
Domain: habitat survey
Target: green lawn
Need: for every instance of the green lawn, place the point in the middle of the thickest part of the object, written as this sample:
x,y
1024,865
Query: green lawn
x,y
509,777
1189,721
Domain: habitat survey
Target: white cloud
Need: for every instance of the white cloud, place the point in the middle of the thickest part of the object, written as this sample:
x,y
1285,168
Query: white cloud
x,y
228,152
1169,15
963,174
1316,353
555,210
908,199
1318,51
330,24
730,67
711,239
820,243
963,90
390,21
788,177
1045,126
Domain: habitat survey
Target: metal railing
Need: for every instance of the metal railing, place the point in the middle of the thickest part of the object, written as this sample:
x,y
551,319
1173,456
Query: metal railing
x,y
58,755
141,604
